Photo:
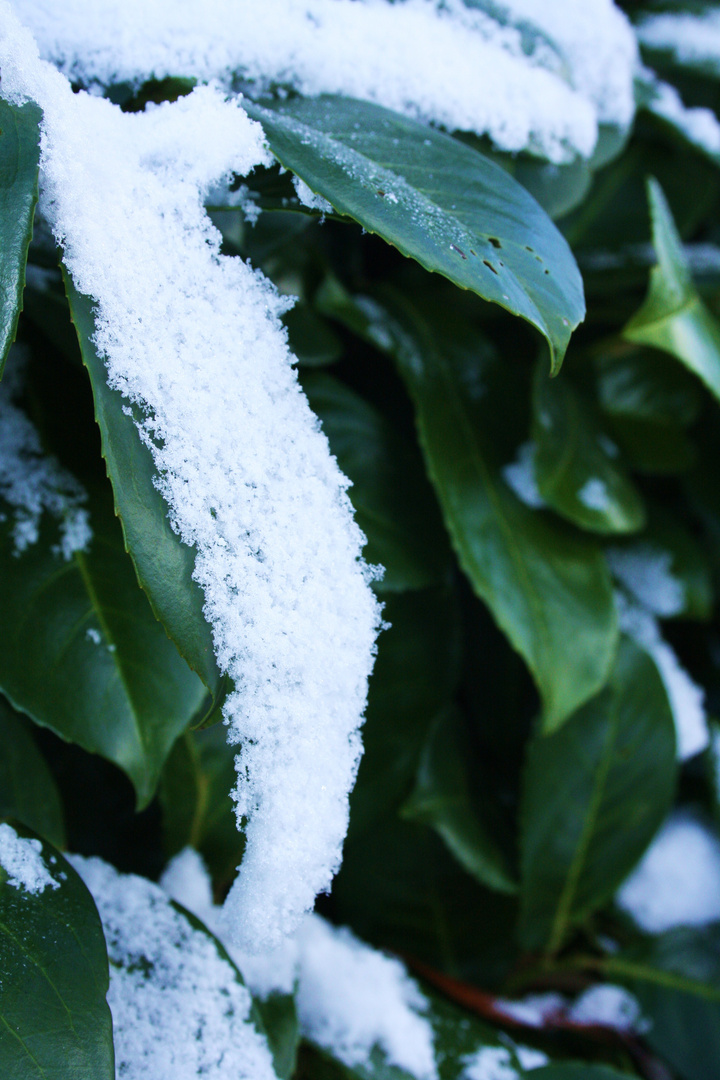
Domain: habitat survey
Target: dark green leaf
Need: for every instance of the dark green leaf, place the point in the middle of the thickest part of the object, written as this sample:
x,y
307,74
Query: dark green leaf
x,y
163,563
27,788
676,978
442,799
84,654
653,447
197,808
280,1022
673,317
312,341
643,384
577,474
394,504
55,1023
436,200
415,675
595,793
19,164
578,1071
544,584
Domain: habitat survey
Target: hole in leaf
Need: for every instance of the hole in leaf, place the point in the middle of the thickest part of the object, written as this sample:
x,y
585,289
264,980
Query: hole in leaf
x,y
538,258
489,266
494,241
473,253
460,252
528,248
547,271
381,193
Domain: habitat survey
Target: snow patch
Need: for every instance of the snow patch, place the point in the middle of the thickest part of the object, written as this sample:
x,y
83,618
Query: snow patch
x,y
677,882
608,1005
308,197
520,476
645,571
22,861
594,495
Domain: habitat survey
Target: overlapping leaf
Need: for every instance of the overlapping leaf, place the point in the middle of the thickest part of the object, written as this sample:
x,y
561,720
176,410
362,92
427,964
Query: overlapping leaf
x,y
436,200
27,789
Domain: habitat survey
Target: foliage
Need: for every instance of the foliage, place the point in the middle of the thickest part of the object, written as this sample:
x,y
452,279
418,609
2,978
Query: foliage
x,y
520,737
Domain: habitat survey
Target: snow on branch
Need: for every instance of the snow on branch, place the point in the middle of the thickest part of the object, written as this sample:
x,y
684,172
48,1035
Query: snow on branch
x,y
194,339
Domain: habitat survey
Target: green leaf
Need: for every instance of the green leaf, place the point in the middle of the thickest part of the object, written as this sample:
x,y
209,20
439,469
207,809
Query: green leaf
x,y
436,200
576,472
594,795
27,788
197,808
394,504
442,799
579,1070
55,1023
163,563
83,652
673,317
415,675
312,341
676,978
282,1028
544,584
19,165
643,384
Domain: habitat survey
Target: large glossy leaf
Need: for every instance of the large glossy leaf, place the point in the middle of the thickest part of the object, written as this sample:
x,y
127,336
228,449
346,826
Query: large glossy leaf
x,y
594,795
19,164
576,472
676,978
436,200
673,317
544,584
415,674
83,653
27,788
394,503
54,1020
442,799
195,797
163,563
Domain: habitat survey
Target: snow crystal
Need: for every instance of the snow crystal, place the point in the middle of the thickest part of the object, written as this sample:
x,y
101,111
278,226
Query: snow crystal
x,y
167,978
645,571
22,861
533,1009
194,338
677,883
94,635
221,197
687,699
350,998
693,40
308,197
520,476
32,482
609,1005
544,80
489,1063
594,494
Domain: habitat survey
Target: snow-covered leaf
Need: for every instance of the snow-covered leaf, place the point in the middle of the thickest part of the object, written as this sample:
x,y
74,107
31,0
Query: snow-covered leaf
x,y
54,1020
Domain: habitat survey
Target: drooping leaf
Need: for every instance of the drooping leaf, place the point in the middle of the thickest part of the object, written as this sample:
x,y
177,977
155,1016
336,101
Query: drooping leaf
x,y
673,317
543,583
163,563
676,978
394,504
595,793
27,789
436,200
83,652
415,674
198,811
575,470
442,799
19,165
55,1023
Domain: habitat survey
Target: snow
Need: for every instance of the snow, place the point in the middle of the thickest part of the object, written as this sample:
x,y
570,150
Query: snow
x,y
542,76
308,197
520,476
178,1009
195,339
534,1009
489,1063
693,40
700,126
594,494
350,998
529,1058
22,861
32,482
645,571
677,883
687,699
608,1005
